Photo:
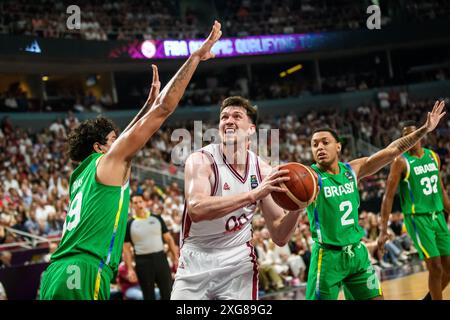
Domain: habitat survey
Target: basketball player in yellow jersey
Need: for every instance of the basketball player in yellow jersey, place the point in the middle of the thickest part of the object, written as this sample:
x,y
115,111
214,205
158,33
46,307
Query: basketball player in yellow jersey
x,y
89,253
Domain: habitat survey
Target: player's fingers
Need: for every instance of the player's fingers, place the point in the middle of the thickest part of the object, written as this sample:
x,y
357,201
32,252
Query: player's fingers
x,y
279,180
441,107
435,105
442,114
211,34
278,189
218,35
155,74
215,29
278,173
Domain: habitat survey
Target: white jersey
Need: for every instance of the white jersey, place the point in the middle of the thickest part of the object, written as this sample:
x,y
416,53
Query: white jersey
x,y
234,229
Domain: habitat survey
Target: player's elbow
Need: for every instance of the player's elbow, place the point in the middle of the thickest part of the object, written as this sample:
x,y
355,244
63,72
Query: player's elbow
x,y
195,213
195,216
279,241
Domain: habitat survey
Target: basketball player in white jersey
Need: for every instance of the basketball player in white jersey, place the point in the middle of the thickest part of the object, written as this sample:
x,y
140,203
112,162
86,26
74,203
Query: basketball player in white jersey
x,y
224,184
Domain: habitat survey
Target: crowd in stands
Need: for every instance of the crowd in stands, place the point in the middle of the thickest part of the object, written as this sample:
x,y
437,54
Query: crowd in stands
x,y
205,91
133,19
35,171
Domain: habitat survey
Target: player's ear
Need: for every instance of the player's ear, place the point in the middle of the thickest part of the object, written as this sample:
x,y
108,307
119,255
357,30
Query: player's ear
x,y
252,129
339,147
98,148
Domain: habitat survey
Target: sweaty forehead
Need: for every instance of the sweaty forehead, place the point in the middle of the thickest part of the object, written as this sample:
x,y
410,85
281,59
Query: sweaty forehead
x,y
322,135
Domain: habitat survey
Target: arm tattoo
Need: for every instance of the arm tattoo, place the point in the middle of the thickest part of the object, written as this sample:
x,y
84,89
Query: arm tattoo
x,y
172,92
405,143
179,81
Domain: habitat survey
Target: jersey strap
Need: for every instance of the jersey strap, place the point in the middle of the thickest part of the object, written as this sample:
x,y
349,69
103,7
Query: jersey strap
x,y
406,179
316,213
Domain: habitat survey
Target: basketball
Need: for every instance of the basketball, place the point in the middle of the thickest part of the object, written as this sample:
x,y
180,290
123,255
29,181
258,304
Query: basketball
x,y
302,187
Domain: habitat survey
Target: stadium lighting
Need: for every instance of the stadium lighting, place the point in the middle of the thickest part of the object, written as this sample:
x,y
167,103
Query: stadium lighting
x,y
291,70
45,78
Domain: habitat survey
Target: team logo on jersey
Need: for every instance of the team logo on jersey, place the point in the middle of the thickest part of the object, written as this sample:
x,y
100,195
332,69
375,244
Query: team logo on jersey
x,y
253,181
226,186
349,176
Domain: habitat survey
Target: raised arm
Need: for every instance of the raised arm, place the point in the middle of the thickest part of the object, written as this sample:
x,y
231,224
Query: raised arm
x,y
114,166
395,175
370,165
202,205
280,225
154,93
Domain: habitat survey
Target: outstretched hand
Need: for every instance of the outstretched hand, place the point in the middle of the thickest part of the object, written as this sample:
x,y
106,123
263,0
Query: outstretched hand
x,y
435,116
204,52
156,86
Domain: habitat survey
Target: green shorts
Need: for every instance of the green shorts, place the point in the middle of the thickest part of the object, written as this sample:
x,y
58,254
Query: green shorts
x,y
430,234
76,278
350,267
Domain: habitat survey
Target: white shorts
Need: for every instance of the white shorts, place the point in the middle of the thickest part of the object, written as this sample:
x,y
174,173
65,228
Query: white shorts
x,y
216,274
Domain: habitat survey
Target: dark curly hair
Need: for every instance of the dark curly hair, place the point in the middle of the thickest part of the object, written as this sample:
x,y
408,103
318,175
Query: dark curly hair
x,y
82,138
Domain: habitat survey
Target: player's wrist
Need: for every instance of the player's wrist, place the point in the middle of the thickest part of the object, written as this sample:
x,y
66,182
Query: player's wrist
x,y
196,56
299,211
252,196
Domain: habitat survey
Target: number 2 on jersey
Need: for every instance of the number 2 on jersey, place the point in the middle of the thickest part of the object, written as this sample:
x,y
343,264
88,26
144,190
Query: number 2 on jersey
x,y
347,207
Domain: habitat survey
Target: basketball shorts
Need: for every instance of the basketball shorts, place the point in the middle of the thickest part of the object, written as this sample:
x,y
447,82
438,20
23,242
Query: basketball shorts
x,y
216,274
76,278
430,234
332,269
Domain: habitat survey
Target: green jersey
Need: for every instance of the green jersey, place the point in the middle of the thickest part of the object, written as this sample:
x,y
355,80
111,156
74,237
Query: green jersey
x,y
420,189
96,221
334,215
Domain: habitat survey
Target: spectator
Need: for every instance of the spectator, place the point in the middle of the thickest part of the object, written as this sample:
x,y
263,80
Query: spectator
x,y
129,288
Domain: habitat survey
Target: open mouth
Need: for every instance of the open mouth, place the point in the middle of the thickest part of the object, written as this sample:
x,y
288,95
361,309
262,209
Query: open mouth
x,y
230,131
321,155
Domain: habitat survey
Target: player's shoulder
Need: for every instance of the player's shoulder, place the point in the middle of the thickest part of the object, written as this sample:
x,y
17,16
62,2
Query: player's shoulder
x,y
399,163
200,157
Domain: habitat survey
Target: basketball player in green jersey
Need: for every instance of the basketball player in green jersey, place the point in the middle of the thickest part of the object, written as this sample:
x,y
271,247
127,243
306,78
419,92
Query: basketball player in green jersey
x,y
338,257
423,200
89,253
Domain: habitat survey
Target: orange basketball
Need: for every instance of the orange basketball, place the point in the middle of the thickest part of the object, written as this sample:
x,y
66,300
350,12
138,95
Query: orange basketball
x,y
302,187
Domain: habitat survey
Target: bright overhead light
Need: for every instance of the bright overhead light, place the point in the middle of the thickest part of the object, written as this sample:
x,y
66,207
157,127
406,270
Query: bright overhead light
x,y
294,68
291,70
